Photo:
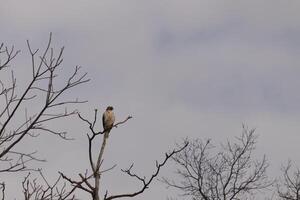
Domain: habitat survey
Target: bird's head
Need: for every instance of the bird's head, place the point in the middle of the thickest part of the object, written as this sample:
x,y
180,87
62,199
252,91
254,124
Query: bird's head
x,y
109,108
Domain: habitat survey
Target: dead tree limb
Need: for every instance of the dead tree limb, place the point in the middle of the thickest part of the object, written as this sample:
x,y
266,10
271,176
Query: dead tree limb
x,y
145,183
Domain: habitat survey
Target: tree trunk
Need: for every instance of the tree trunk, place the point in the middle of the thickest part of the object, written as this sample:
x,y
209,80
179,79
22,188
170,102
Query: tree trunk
x,y
96,190
97,174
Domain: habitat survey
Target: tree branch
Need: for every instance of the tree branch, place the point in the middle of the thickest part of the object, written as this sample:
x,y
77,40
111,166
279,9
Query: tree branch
x,y
145,182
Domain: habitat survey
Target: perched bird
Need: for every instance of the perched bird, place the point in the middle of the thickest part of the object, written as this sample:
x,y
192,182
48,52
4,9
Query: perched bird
x,y
108,119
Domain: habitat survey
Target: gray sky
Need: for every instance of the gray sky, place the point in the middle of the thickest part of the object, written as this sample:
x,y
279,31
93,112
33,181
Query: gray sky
x,y
193,68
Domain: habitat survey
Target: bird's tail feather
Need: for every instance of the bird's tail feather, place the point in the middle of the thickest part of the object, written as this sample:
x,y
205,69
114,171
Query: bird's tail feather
x,y
106,134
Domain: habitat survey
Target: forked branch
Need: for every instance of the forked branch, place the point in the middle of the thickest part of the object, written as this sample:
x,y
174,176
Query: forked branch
x,y
143,180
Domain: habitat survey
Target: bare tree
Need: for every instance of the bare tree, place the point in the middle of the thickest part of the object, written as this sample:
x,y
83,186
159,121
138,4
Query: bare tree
x,y
90,182
18,119
288,187
207,173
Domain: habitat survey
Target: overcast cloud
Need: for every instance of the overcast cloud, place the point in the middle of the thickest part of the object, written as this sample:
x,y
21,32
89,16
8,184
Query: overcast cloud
x,y
193,68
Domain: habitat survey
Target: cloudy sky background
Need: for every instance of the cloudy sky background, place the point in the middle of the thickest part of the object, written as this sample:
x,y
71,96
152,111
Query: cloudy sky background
x,y
192,68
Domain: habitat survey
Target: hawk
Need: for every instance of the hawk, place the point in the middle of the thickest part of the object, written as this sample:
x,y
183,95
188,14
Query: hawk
x,y
108,119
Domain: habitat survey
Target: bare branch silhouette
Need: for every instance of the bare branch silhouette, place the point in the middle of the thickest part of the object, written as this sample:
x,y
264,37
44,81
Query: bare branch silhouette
x,y
229,173
43,92
35,189
288,187
91,183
